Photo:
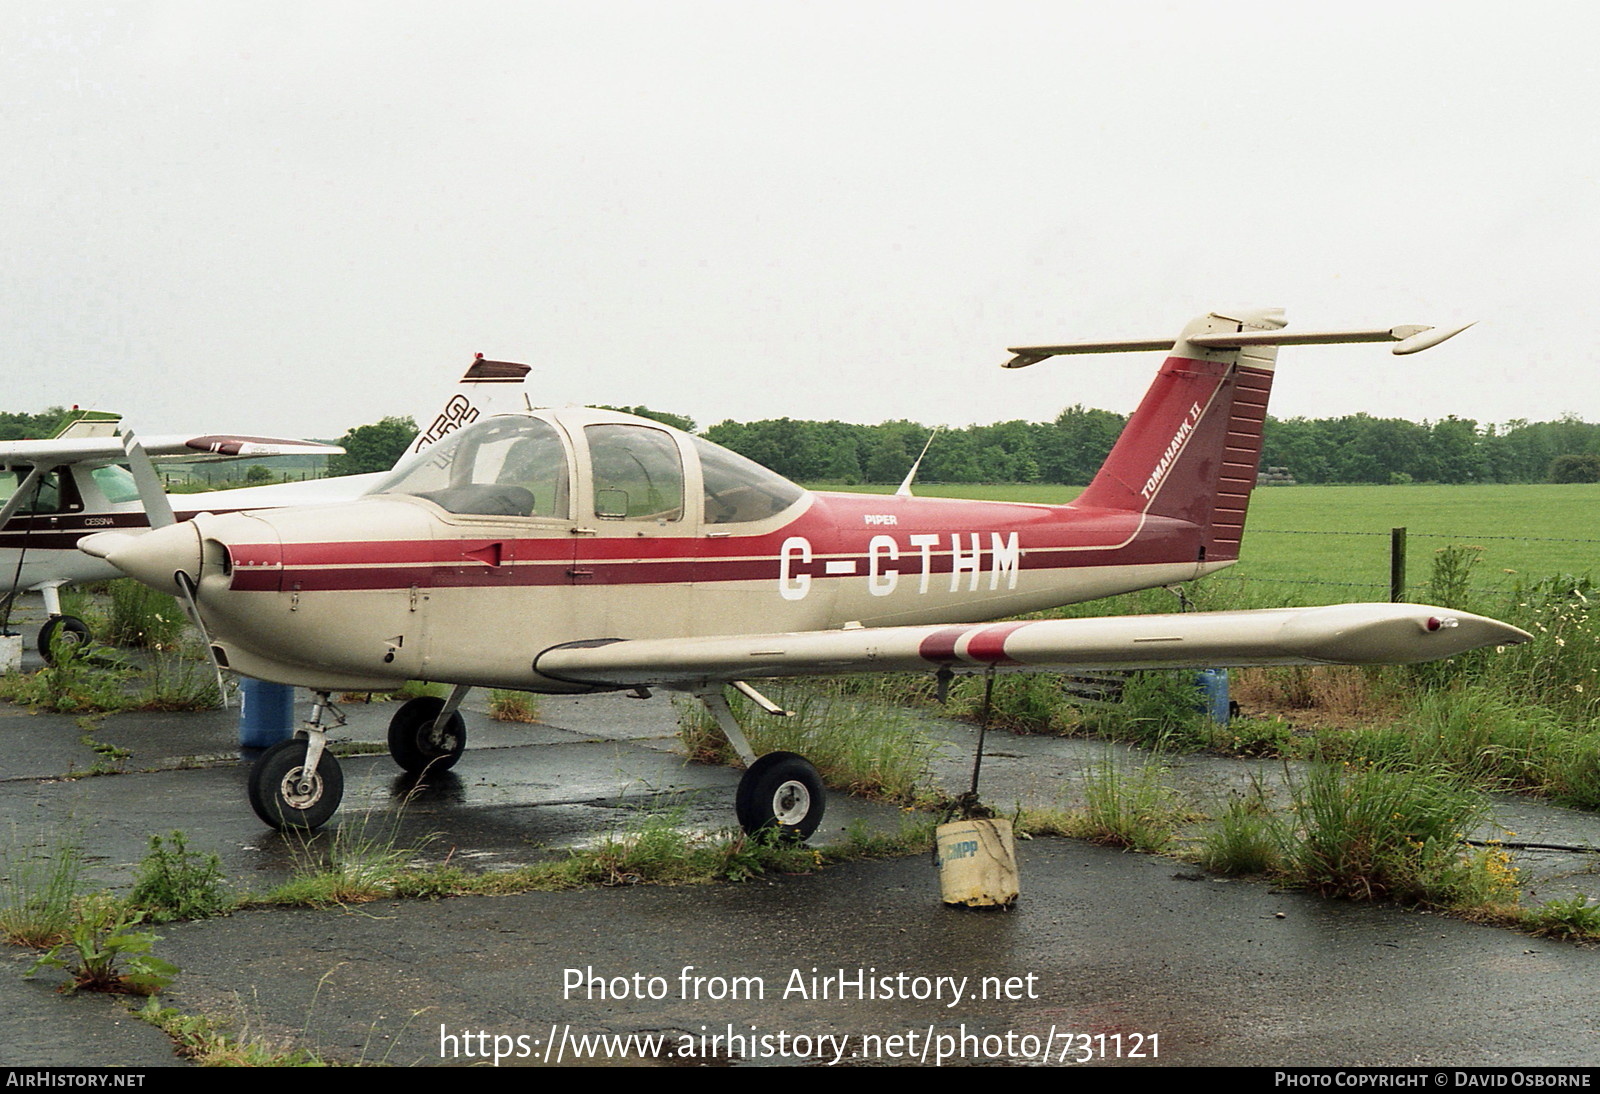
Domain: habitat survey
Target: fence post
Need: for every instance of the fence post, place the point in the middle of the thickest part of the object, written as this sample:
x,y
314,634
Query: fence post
x,y
1397,565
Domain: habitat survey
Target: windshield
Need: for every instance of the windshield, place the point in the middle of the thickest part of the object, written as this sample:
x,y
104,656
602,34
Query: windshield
x,y
510,466
116,483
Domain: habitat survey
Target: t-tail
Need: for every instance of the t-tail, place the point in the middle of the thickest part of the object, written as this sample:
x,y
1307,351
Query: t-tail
x,y
1191,450
488,387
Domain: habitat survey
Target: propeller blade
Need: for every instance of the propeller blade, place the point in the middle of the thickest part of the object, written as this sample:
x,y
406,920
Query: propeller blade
x,y
151,493
186,586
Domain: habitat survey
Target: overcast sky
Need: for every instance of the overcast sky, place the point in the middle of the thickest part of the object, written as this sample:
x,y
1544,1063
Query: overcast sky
x,y
296,218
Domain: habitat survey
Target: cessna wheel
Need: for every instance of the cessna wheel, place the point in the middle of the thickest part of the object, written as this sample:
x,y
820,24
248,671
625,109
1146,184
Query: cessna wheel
x,y
781,792
417,745
69,630
285,794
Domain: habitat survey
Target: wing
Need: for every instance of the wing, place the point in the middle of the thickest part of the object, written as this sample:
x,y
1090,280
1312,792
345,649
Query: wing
x,y
1340,634
66,450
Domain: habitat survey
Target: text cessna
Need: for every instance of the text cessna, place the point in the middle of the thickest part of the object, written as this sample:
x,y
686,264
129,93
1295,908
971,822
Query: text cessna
x,y
889,558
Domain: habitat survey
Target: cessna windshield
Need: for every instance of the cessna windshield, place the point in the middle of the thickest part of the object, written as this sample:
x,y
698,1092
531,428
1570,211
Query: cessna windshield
x,y
517,466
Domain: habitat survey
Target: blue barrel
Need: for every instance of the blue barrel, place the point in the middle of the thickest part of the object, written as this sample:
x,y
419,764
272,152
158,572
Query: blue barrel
x,y
266,713
1213,685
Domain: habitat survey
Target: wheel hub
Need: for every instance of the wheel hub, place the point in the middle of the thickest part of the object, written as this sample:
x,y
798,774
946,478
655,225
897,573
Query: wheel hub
x,y
300,789
790,803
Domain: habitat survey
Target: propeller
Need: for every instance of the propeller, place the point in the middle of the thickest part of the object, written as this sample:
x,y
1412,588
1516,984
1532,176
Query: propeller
x,y
158,509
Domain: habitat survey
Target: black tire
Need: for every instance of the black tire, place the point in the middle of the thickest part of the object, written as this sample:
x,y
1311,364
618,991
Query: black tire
x,y
284,798
71,630
781,792
416,746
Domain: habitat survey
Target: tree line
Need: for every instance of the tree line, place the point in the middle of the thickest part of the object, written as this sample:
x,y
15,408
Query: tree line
x,y
1356,448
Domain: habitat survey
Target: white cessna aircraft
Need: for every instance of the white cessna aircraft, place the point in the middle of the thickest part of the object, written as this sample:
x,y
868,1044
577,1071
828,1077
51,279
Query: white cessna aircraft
x,y
576,550
55,491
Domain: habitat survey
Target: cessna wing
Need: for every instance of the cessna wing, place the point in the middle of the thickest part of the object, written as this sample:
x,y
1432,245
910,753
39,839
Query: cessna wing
x,y
68,450
1340,634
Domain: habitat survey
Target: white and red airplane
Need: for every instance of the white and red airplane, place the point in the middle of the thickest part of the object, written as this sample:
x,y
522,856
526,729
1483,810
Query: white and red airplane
x,y
55,491
577,550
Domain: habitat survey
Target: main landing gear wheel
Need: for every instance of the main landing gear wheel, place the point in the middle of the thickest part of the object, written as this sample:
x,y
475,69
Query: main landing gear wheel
x,y
782,793
417,745
285,794
69,630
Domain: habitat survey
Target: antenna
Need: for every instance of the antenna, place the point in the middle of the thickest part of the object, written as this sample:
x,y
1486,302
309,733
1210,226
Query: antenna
x,y
905,486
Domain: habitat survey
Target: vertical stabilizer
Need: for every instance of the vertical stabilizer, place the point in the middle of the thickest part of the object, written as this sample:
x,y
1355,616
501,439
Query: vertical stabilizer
x,y
1191,450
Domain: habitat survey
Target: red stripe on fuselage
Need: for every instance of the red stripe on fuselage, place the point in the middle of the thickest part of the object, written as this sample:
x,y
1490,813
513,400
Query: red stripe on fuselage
x,y
839,528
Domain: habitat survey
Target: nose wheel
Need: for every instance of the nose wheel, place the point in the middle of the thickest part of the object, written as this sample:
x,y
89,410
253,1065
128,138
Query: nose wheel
x,y
297,783
423,736
781,792
288,792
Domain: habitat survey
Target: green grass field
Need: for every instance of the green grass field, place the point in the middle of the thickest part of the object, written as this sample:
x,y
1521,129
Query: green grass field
x,y
1331,543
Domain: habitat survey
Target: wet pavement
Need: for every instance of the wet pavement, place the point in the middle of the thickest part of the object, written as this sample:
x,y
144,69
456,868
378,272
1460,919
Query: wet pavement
x,y
1106,954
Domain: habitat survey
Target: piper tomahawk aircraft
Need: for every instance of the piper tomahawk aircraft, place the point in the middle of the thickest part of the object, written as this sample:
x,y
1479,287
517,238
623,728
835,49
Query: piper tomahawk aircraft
x,y
55,491
576,550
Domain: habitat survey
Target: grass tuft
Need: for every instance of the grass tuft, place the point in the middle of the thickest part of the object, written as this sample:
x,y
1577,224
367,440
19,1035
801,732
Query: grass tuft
x,y
1392,833
38,886
513,706
1137,811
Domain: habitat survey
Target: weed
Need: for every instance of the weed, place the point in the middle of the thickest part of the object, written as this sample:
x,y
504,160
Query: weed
x,y
417,689
513,706
352,866
142,617
915,836
174,683
103,953
38,885
1029,702
72,684
1253,737
173,882
109,758
1387,832
657,850
1248,837
1138,812
213,1042
1159,710
1450,580
1575,917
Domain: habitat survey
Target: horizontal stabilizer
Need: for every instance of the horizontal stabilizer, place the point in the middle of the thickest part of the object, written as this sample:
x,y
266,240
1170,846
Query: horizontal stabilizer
x,y
1340,634
1411,338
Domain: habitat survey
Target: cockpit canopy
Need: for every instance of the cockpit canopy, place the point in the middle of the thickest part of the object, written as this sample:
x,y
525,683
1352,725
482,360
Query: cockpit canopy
x,y
521,465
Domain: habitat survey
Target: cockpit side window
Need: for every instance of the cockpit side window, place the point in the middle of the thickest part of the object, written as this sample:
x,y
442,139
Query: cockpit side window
x,y
56,492
738,490
502,467
638,474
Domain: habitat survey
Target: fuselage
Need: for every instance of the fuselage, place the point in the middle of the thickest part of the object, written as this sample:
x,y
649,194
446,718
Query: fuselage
x,y
472,561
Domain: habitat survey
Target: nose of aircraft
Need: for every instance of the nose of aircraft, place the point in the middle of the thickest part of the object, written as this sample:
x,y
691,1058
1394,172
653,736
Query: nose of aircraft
x,y
152,558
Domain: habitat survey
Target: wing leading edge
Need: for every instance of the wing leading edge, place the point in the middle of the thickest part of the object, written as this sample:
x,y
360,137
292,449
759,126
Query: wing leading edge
x,y
1340,634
